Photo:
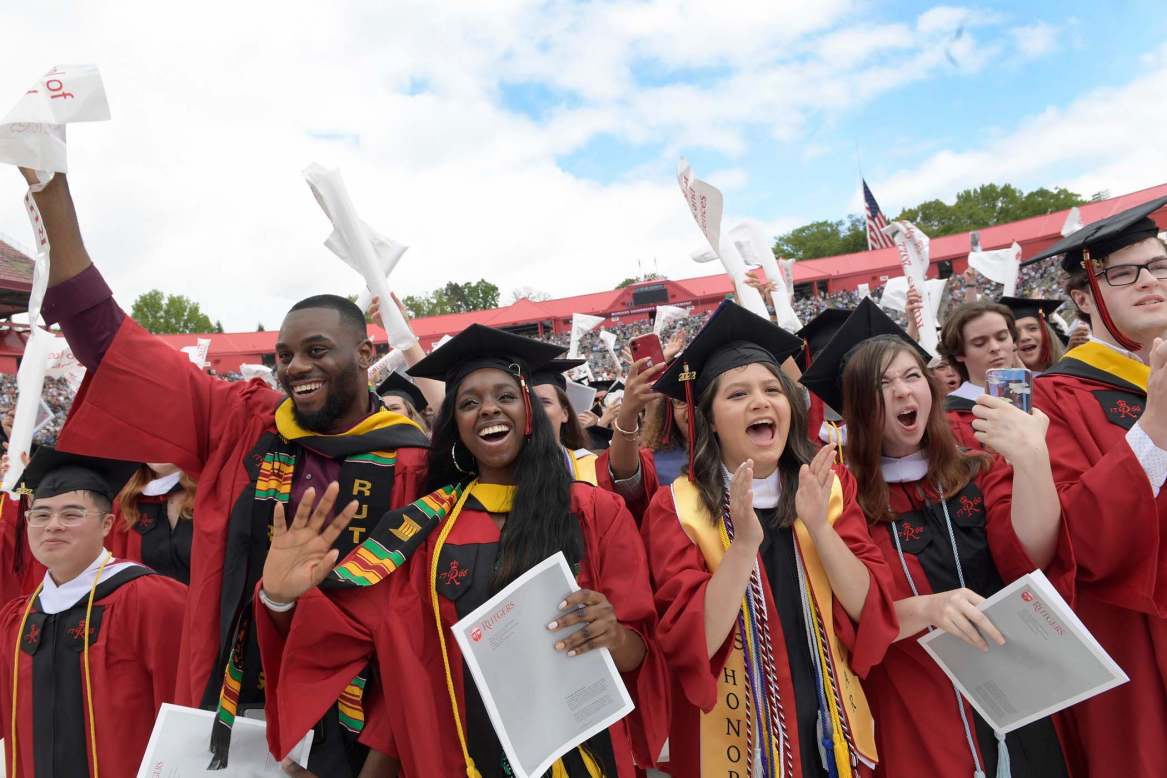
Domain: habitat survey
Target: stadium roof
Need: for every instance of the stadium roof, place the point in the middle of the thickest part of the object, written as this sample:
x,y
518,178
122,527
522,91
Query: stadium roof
x,y
15,278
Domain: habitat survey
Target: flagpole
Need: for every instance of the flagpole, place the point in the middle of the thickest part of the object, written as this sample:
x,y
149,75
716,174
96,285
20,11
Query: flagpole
x,y
858,160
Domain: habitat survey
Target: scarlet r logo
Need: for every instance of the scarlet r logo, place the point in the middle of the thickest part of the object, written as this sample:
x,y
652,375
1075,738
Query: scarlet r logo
x,y
1027,595
476,634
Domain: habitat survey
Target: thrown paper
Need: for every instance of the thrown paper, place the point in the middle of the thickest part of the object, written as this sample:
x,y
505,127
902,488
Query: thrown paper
x,y
330,192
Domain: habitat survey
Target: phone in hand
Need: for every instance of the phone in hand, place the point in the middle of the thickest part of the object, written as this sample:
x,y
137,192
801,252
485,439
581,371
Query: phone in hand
x,y
1014,384
647,346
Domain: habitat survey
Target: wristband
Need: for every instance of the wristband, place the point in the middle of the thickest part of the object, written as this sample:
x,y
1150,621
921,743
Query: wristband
x,y
272,605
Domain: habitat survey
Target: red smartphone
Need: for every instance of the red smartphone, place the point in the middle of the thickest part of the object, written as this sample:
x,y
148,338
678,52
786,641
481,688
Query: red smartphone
x,y
647,346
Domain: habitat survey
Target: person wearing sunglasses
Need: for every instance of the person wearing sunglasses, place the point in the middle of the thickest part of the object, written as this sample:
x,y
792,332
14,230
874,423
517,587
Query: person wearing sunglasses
x,y
83,705
1107,405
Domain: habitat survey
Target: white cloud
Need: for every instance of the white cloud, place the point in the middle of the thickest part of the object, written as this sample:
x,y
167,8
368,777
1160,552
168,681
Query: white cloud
x,y
194,187
1104,133
1036,40
729,179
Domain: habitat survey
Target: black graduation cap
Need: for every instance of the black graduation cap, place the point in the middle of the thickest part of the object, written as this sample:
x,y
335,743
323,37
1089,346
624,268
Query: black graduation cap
x,y
553,372
732,337
401,386
825,376
1025,307
1105,236
818,333
479,346
51,472
607,385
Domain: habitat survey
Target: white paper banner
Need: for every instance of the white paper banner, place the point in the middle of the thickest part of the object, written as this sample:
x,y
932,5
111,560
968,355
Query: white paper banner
x,y
32,135
30,382
1000,266
62,364
262,372
581,324
581,373
864,291
609,341
441,342
912,245
330,192
1073,222
198,352
704,201
750,239
387,251
667,316
895,294
380,370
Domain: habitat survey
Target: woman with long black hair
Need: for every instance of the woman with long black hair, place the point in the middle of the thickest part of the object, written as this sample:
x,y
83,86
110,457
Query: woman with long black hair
x,y
765,574
499,501
953,526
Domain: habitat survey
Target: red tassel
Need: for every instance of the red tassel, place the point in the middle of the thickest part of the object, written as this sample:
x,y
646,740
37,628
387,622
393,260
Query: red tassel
x,y
806,348
664,438
1104,314
526,396
691,411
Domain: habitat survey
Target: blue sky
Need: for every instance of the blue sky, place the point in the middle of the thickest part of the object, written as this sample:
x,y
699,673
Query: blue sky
x,y
534,143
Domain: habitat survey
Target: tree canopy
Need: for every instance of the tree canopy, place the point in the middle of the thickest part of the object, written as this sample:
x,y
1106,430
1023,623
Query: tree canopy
x,y
637,279
974,209
171,314
453,298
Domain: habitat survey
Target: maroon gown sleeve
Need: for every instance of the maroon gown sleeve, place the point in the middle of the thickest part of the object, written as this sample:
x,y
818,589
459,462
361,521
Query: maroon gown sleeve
x,y
1009,555
681,576
878,625
305,673
648,481
158,612
623,574
88,315
961,425
1115,521
148,402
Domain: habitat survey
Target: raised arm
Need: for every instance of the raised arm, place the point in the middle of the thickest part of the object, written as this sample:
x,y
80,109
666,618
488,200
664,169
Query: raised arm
x,y
69,256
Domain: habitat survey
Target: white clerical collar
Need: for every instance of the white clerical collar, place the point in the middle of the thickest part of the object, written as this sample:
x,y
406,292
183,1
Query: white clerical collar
x,y
768,490
833,433
1112,347
163,485
968,391
913,467
54,599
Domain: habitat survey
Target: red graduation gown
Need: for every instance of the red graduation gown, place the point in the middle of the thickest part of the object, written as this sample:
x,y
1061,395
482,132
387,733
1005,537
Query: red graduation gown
x,y
333,636
917,722
152,541
648,480
960,417
132,661
681,576
148,402
1119,530
19,571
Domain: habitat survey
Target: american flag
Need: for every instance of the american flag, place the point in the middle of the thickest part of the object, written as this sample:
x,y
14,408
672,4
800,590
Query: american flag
x,y
876,239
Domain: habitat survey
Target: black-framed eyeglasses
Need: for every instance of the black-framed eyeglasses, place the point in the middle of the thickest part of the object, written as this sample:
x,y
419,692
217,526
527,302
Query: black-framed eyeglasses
x,y
1125,275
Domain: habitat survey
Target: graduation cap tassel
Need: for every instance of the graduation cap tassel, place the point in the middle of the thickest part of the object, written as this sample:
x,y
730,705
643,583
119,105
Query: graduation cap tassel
x,y
1003,767
664,438
1108,322
689,413
1045,356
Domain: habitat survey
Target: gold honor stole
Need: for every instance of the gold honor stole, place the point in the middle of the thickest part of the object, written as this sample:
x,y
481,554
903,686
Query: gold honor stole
x,y
1110,361
583,466
723,737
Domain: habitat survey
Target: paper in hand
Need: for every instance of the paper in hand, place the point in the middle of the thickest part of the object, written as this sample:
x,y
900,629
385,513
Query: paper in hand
x,y
751,241
667,316
705,203
581,324
32,135
1001,266
913,247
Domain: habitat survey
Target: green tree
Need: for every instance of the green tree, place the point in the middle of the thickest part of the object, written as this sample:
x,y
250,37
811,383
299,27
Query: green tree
x,y
986,206
169,314
453,298
218,326
529,293
637,279
260,328
823,239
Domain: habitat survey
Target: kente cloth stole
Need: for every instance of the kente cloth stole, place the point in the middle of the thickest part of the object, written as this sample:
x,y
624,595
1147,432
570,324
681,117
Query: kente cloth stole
x,y
726,745
368,453
1110,361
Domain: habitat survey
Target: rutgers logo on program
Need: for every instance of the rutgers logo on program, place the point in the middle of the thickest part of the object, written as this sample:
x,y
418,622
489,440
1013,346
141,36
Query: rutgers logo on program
x,y
476,634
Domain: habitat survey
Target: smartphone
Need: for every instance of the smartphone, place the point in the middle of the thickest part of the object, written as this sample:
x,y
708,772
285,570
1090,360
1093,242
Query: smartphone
x,y
1014,384
647,346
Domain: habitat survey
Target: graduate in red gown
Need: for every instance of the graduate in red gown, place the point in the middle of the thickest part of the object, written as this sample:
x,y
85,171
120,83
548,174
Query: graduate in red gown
x,y
1107,403
1038,345
500,502
155,521
84,707
248,446
824,424
767,580
976,337
19,571
953,530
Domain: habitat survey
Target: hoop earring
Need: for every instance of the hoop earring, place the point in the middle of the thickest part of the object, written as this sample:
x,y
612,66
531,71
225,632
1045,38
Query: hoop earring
x,y
454,457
